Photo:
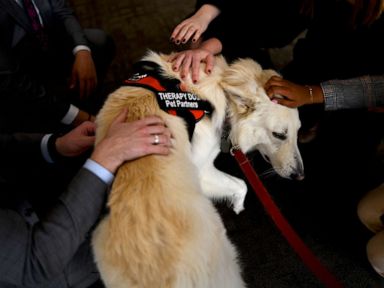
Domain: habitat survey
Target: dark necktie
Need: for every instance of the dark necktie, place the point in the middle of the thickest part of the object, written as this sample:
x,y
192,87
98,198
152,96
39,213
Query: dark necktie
x,y
37,27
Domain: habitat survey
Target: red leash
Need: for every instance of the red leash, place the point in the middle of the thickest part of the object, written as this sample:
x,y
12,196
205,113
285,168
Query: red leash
x,y
286,229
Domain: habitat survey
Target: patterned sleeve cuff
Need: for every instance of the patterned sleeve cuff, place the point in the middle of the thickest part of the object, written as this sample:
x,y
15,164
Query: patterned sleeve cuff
x,y
331,96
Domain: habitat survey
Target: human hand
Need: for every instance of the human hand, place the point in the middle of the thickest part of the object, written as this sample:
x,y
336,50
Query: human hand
x,y
83,116
83,75
292,95
186,60
127,141
195,25
76,141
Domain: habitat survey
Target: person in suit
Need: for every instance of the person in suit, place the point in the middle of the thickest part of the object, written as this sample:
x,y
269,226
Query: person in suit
x,y
50,74
46,80
53,250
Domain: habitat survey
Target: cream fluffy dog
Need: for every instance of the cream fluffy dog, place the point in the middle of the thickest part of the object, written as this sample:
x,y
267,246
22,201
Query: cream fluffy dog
x,y
162,230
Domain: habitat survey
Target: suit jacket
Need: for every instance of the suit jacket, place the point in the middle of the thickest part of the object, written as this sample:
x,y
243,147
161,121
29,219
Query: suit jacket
x,y
52,12
15,148
23,89
54,251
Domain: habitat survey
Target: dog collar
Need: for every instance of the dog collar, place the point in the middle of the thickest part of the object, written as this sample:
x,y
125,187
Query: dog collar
x,y
169,96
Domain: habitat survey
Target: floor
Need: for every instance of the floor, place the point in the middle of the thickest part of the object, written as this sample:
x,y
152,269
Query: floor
x,y
321,208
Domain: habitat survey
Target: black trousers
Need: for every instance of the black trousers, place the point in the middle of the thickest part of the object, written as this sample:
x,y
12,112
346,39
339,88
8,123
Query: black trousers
x,y
35,92
58,66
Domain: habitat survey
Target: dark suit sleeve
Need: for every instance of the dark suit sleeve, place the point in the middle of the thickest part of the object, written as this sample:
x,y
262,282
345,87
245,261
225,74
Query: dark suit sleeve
x,y
14,144
24,95
65,15
15,148
32,254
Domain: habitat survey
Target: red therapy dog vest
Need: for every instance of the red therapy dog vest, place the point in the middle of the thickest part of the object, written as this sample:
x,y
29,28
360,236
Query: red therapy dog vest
x,y
169,96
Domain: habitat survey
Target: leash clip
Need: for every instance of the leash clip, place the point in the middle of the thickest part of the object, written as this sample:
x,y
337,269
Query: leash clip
x,y
233,148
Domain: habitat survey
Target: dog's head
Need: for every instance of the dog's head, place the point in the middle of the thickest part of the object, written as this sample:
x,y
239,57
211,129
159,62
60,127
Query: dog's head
x,y
260,124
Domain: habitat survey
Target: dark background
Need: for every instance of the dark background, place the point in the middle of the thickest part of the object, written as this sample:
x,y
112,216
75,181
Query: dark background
x,y
135,26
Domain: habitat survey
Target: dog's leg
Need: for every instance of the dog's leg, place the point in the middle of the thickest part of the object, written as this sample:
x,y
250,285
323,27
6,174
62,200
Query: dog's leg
x,y
215,183
218,185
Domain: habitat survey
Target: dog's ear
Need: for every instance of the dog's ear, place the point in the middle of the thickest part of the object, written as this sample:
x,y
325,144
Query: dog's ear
x,y
242,104
242,83
246,97
266,74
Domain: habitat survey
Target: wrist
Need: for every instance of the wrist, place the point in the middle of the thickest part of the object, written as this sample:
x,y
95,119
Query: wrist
x,y
79,48
315,94
54,147
81,117
209,12
107,164
105,175
102,155
318,95
212,45
310,93
70,116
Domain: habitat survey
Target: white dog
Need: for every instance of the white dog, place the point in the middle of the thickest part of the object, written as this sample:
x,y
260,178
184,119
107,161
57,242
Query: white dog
x,y
260,124
161,230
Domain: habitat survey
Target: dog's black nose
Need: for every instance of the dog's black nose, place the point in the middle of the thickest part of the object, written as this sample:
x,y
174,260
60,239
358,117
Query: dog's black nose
x,y
297,176
297,171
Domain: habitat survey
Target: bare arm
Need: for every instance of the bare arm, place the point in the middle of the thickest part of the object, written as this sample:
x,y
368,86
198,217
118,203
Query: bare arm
x,y
355,93
195,25
190,60
293,95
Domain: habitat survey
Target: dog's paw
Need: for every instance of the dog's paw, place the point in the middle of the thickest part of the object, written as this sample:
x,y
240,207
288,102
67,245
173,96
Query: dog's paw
x,y
239,197
238,208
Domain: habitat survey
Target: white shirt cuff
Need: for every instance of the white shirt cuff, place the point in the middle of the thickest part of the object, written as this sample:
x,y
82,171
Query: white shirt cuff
x,y
44,148
80,47
71,115
105,175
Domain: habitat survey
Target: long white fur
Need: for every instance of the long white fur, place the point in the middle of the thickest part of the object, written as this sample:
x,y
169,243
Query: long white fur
x,y
257,121
162,229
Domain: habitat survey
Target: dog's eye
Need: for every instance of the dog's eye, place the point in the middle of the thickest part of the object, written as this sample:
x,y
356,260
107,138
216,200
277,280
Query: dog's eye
x,y
280,136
